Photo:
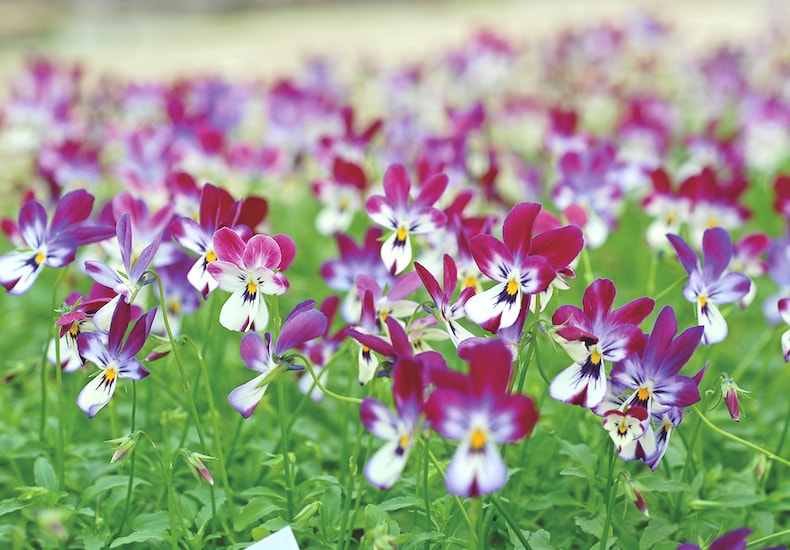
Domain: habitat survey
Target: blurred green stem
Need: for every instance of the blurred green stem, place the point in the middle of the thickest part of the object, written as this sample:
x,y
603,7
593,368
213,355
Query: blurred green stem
x,y
128,502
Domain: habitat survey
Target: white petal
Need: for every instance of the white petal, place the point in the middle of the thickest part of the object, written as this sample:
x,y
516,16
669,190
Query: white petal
x,y
786,345
96,394
246,397
242,312
572,386
199,277
713,322
386,464
368,362
21,269
483,471
487,305
396,253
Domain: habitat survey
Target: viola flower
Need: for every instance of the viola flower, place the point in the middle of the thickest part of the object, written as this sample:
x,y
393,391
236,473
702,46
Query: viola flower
x,y
77,318
340,195
386,464
116,360
54,246
267,357
594,335
320,351
519,264
784,312
653,375
249,271
197,463
403,217
625,428
125,284
708,284
477,410
746,259
733,540
447,310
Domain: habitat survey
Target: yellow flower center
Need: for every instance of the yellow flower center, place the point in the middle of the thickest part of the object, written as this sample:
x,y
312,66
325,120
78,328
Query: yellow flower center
x,y
40,257
512,287
365,349
642,394
478,440
703,301
404,441
402,234
671,217
211,256
712,222
622,428
384,315
74,330
595,357
110,374
470,280
175,306
252,288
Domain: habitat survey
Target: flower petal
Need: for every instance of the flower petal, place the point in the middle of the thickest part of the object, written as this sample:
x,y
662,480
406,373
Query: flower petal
x,y
475,472
246,397
378,419
396,252
517,228
580,384
385,466
97,393
261,251
243,312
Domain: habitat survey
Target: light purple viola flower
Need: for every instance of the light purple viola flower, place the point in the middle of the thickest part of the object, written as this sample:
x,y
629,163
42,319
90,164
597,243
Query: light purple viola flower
x,y
478,410
399,432
397,212
516,267
115,360
653,375
746,259
593,335
778,260
249,270
54,246
127,283
708,284
449,312
266,357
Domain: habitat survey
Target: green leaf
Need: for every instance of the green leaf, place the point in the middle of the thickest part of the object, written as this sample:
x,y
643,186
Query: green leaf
x,y
106,483
137,536
10,505
540,540
591,526
400,503
44,475
94,540
658,530
551,500
255,509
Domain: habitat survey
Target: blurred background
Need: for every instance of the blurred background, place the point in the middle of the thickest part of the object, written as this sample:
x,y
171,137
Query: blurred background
x,y
156,38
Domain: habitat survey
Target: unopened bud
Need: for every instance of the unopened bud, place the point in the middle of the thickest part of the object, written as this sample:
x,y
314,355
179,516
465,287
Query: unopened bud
x,y
197,462
730,391
633,491
123,445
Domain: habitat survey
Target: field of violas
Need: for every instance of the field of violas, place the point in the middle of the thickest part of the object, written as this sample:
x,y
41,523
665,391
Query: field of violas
x,y
520,294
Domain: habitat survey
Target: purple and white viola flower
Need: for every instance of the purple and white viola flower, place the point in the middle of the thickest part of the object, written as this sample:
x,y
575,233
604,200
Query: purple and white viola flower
x,y
77,318
125,284
593,335
784,313
266,357
708,284
449,312
478,410
399,431
249,270
626,428
395,211
518,265
653,375
116,359
54,245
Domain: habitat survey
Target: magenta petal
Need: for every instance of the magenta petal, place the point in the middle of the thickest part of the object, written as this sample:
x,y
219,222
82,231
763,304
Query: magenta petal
x,y
571,316
396,186
431,190
490,367
559,246
404,286
73,207
680,351
262,251
229,246
138,334
513,418
491,256
287,250
633,312
407,387
664,330
118,326
375,343
446,412
716,253
377,418
734,540
430,283
33,223
517,228
598,298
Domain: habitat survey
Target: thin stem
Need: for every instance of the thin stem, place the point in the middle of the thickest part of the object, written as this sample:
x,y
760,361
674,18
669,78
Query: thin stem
x,y
128,503
769,538
748,359
668,289
523,365
333,395
458,501
61,439
353,467
476,516
285,447
171,508
737,439
588,272
426,493
610,492
493,499
651,277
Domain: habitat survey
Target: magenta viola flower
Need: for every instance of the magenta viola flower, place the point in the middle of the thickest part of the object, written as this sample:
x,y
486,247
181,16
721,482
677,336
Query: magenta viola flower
x,y
447,310
397,212
340,195
708,284
477,410
733,540
593,335
520,265
116,359
266,357
625,428
77,318
399,432
54,245
249,270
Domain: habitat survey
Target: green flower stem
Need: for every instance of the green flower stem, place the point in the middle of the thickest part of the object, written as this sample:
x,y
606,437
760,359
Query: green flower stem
x,y
609,492
770,538
588,272
175,522
524,359
185,384
360,492
668,289
494,499
309,366
426,491
476,517
352,478
651,277
223,472
42,424
283,413
128,502
750,358
60,451
737,439
458,501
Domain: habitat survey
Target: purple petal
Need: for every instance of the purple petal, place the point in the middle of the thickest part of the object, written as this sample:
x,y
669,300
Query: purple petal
x,y
118,327
145,259
123,230
246,397
404,286
716,253
191,235
730,288
73,207
734,540
659,341
378,419
254,352
92,349
396,186
517,228
299,329
512,418
447,411
33,223
431,190
688,258
138,334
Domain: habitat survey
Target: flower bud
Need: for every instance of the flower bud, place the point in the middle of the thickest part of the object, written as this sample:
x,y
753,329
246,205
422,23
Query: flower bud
x,y
123,445
633,492
197,462
729,392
